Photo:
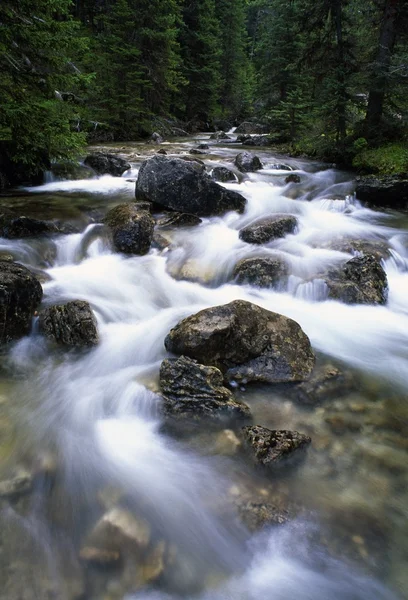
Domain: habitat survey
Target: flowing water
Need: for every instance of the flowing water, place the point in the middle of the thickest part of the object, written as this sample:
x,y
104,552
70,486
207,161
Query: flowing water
x,y
97,414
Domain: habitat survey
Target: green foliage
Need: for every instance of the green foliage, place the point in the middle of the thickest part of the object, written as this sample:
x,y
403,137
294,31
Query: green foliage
x,y
391,158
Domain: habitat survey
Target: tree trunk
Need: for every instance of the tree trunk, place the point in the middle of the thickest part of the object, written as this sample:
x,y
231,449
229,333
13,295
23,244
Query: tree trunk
x,y
382,64
341,80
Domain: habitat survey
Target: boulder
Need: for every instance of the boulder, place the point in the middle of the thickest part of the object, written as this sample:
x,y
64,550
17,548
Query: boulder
x,y
116,533
267,229
274,449
107,164
256,140
132,228
261,272
293,178
219,135
246,162
12,226
387,190
72,324
247,342
223,174
20,295
247,128
192,391
179,220
184,186
156,138
361,280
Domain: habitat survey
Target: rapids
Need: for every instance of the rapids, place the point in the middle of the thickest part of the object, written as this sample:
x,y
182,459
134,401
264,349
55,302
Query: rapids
x,y
98,411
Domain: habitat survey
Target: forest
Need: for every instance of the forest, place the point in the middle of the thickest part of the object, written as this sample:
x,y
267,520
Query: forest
x,y
324,78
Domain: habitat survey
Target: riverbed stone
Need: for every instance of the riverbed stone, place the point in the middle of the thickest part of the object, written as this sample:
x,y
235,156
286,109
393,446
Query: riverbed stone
x,y
273,449
184,186
326,383
192,391
14,227
246,342
21,483
385,190
256,515
223,174
264,272
362,280
104,163
267,229
72,324
20,295
247,162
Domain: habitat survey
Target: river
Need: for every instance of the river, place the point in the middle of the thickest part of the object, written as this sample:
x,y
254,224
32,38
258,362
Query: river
x,y
96,415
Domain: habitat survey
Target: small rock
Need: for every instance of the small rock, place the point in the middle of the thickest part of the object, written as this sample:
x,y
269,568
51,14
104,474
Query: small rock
x,y
203,147
267,229
156,138
246,162
162,151
260,272
19,485
257,515
196,151
223,174
293,178
72,324
273,449
219,135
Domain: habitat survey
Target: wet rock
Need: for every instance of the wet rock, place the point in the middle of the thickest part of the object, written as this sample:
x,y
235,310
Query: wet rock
x,y
376,248
132,228
260,272
161,151
247,342
388,190
179,220
280,167
148,206
184,186
196,151
20,484
362,280
247,127
14,227
203,147
116,533
156,138
273,449
267,229
160,241
107,164
256,515
293,178
154,565
20,294
246,162
256,140
326,383
223,174
71,170
195,392
220,135
72,324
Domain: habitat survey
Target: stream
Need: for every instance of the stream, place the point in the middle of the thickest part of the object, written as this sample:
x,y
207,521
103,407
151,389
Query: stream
x,y
95,415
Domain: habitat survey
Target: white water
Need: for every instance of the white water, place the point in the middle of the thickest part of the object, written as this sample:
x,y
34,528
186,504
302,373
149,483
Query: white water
x,y
104,419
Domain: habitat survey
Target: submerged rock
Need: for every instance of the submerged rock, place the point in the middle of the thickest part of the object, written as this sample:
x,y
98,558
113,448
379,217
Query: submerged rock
x,y
326,383
267,229
72,324
256,515
387,190
223,174
184,186
293,178
20,294
132,228
107,164
362,280
247,342
273,449
376,248
246,162
194,392
20,484
12,226
261,272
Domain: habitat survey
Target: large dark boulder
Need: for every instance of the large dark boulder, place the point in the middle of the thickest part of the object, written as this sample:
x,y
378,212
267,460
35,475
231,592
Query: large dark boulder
x,y
267,229
361,280
249,128
184,186
223,174
261,272
245,341
193,392
257,140
20,294
246,162
72,324
107,164
274,449
131,227
14,227
387,190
